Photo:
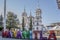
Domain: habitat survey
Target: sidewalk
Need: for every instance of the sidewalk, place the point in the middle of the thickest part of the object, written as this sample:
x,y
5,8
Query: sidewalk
x,y
12,39
0,33
1,38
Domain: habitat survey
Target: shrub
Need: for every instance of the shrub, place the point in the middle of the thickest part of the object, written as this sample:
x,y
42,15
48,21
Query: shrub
x,y
1,28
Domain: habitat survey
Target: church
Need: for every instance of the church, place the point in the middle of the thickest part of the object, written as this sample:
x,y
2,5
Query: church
x,y
36,21
37,24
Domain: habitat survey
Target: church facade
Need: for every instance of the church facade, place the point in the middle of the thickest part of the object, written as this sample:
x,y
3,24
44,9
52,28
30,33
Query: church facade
x,y
36,21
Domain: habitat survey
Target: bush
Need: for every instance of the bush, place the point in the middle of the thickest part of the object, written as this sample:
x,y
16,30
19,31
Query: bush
x,y
1,28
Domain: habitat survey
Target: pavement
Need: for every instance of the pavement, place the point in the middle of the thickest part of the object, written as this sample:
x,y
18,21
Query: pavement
x,y
10,39
0,33
1,38
15,39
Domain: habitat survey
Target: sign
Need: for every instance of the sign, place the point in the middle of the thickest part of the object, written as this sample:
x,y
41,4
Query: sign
x,y
52,35
25,34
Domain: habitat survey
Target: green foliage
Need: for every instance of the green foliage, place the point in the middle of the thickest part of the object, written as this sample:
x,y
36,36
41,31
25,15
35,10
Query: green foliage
x,y
30,24
12,20
1,28
23,25
1,22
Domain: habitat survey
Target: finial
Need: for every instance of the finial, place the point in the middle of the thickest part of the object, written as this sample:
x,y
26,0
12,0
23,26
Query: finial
x,y
24,9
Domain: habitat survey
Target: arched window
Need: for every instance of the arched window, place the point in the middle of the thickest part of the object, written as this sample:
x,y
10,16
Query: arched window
x,y
37,27
37,23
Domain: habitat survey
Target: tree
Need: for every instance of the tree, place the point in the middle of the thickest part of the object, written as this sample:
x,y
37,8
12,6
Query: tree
x,y
1,22
12,20
30,23
23,25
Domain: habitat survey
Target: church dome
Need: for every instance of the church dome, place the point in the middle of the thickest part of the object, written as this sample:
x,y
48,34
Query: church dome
x,y
24,14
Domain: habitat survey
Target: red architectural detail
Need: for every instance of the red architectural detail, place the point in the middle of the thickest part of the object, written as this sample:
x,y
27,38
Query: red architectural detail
x,y
52,35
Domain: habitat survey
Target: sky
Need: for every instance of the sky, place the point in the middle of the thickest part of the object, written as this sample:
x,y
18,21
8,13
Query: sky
x,y
50,11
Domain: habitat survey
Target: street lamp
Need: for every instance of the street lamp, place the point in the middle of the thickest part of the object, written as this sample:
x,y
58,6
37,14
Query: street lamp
x,y
4,15
58,3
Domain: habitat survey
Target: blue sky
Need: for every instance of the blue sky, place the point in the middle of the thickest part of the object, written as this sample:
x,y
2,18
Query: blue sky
x,y
50,12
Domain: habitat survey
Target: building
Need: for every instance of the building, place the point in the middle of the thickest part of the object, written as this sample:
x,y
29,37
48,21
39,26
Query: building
x,y
58,3
37,25
55,27
36,21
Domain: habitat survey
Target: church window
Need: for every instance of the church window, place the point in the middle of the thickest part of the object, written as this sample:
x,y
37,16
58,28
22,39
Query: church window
x,y
37,23
37,28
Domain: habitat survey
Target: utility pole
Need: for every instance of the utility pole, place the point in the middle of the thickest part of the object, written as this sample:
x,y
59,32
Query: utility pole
x,y
4,15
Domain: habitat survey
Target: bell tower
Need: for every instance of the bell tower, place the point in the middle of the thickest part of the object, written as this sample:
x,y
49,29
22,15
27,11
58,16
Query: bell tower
x,y
38,18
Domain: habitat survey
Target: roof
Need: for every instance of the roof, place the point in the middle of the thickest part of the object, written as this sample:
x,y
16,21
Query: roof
x,y
24,14
57,27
